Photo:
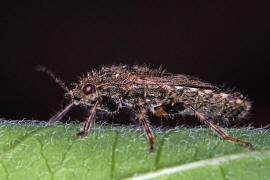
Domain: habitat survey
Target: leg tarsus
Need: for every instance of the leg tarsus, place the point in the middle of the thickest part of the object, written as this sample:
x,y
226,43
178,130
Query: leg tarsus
x,y
237,141
88,122
80,134
149,135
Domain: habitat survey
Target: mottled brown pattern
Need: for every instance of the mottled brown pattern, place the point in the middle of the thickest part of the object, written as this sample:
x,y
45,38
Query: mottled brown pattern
x,y
145,90
162,88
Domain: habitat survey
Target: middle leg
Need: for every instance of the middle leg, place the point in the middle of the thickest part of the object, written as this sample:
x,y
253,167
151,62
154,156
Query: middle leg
x,y
143,119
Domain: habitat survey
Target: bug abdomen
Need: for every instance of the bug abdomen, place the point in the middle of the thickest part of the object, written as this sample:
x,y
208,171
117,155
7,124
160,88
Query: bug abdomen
x,y
215,103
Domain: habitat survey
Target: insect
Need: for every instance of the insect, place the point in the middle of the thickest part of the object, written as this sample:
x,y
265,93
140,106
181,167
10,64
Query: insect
x,y
144,90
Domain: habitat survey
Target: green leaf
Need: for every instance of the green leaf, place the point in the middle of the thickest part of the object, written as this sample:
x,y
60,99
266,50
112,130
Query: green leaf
x,y
35,151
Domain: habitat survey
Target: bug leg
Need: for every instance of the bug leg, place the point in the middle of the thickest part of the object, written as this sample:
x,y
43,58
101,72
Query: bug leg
x,y
88,122
60,114
222,134
143,119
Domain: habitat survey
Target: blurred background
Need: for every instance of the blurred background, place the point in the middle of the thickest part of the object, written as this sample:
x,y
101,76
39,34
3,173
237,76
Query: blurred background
x,y
225,43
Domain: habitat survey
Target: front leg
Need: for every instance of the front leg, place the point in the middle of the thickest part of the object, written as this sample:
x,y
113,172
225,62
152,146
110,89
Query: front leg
x,y
88,122
61,114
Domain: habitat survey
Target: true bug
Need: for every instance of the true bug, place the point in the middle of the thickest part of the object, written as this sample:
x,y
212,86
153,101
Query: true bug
x,y
145,90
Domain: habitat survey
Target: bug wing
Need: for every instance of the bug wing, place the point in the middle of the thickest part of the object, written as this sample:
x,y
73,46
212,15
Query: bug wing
x,y
178,80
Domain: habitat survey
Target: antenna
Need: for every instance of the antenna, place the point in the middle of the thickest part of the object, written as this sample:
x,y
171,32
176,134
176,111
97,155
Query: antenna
x,y
41,68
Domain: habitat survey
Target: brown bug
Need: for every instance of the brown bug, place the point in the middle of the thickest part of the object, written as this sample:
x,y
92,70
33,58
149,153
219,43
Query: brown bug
x,y
145,90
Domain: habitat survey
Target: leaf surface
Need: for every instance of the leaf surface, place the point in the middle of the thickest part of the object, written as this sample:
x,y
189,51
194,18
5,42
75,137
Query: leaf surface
x,y
35,151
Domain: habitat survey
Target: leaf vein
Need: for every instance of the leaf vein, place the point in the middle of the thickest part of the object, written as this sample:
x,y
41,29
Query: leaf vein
x,y
113,155
197,164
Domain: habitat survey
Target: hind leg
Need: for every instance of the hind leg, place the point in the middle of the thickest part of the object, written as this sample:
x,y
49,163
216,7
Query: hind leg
x,y
174,108
221,133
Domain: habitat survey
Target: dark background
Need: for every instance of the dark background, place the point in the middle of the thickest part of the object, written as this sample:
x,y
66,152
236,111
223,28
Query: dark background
x,y
219,42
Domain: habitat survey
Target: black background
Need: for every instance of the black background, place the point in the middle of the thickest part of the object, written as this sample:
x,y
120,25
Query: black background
x,y
219,42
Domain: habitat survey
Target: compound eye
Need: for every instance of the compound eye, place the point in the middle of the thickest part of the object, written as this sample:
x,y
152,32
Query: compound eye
x,y
87,89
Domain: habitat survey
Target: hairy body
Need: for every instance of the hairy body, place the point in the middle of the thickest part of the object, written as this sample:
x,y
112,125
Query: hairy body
x,y
145,90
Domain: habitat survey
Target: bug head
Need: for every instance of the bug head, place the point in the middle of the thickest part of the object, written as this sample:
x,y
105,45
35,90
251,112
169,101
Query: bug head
x,y
84,92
